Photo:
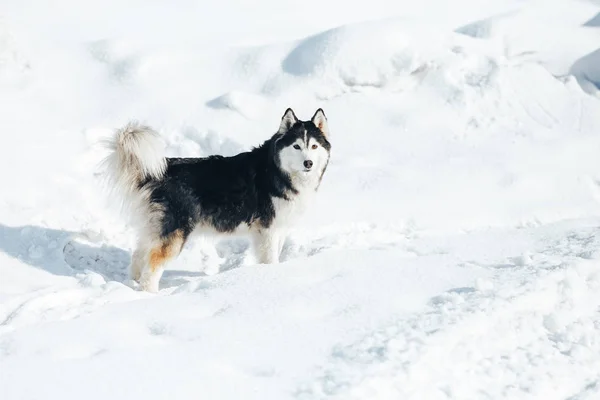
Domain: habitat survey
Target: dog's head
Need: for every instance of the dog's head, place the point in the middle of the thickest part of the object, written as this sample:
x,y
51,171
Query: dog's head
x,y
303,146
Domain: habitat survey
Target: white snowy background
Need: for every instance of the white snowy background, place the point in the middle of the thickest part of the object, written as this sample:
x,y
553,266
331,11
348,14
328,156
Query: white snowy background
x,y
454,248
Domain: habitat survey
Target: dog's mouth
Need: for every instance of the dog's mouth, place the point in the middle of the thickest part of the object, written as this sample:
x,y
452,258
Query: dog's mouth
x,y
307,170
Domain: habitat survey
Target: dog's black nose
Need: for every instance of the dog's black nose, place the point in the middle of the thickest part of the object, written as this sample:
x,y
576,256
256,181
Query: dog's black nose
x,y
308,163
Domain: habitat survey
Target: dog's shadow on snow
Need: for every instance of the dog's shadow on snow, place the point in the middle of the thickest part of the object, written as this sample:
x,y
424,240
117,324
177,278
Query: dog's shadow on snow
x,y
62,252
69,253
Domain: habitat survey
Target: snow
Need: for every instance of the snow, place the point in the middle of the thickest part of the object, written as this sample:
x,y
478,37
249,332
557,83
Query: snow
x,y
587,71
453,248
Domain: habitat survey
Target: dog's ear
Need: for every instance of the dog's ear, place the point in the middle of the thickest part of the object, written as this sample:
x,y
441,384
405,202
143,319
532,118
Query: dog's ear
x,y
320,121
287,121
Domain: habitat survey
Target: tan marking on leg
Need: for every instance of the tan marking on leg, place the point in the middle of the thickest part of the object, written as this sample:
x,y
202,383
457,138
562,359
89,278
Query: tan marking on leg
x,y
168,249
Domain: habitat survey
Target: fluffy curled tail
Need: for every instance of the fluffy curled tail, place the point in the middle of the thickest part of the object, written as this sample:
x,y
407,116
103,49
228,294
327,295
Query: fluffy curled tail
x,y
137,156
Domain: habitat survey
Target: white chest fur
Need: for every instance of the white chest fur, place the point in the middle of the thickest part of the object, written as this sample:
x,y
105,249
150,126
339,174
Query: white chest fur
x,y
287,212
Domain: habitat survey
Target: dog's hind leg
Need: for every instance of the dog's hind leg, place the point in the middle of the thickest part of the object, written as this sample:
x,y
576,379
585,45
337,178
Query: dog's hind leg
x,y
164,250
138,259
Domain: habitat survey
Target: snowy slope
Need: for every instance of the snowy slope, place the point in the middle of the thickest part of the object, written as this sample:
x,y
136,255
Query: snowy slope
x,y
453,250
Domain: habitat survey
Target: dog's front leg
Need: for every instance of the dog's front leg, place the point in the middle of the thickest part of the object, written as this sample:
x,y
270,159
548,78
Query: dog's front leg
x,y
267,246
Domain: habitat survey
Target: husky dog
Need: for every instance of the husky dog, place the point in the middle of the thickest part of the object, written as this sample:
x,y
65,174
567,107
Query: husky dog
x,y
260,192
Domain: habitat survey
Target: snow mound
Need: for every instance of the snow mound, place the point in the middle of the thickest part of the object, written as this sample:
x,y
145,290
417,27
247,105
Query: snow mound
x,y
594,22
192,142
587,72
249,105
486,28
350,54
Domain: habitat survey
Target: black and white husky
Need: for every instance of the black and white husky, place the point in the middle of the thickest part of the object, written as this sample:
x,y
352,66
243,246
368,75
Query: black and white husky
x,y
261,191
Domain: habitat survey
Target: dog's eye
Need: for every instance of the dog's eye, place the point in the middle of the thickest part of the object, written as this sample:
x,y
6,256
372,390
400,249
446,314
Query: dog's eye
x,y
314,146
297,147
